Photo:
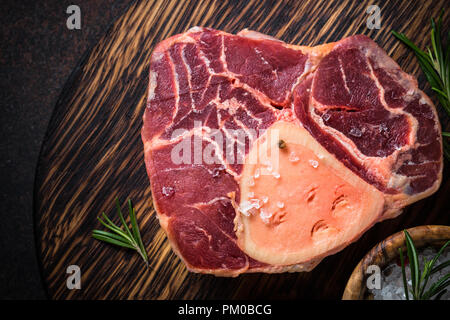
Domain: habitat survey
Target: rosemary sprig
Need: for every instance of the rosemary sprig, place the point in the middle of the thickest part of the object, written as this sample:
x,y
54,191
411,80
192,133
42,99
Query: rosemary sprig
x,y
122,236
419,279
435,64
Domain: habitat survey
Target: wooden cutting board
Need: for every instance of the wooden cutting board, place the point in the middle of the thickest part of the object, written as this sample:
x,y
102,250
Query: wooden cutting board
x,y
93,152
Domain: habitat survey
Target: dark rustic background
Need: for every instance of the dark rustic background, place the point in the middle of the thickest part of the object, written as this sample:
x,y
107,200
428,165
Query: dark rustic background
x,y
37,55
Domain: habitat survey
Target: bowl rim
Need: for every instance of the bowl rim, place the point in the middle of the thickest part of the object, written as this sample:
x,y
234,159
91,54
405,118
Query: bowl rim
x,y
386,250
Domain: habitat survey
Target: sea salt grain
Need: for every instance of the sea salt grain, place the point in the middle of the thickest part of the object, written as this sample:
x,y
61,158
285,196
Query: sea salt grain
x,y
293,157
355,132
265,215
256,203
245,207
168,191
326,116
392,279
313,163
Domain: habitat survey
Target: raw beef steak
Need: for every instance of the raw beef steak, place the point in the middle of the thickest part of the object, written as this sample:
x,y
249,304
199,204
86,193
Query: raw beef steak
x,y
267,157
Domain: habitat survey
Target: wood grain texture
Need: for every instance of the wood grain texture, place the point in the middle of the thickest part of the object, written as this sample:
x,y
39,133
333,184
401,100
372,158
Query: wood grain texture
x,y
92,151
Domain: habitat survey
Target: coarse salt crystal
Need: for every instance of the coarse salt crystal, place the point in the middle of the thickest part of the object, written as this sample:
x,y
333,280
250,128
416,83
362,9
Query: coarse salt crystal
x,y
265,199
265,215
168,191
326,116
355,132
276,175
392,278
280,204
256,203
380,153
244,207
293,157
257,173
313,163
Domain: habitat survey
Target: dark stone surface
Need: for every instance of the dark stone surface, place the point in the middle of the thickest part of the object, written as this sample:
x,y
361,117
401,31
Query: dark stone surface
x,y
37,55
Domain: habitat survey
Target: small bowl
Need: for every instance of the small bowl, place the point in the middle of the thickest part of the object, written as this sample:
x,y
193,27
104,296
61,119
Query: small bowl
x,y
387,251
